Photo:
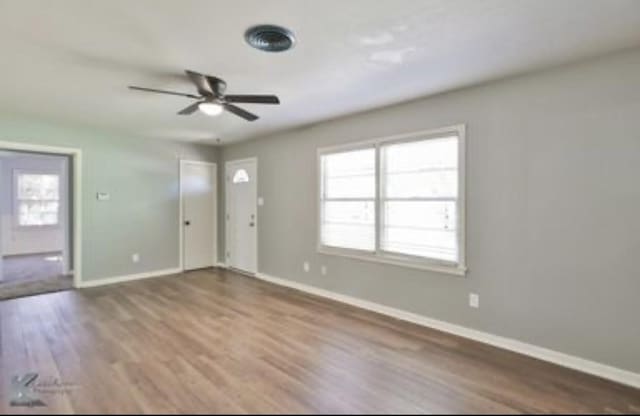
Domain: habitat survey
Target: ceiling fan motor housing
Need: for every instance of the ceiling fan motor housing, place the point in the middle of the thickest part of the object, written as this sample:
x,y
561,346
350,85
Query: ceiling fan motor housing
x,y
217,85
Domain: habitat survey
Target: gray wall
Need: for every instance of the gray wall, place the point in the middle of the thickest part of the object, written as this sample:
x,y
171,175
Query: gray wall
x,y
553,209
142,177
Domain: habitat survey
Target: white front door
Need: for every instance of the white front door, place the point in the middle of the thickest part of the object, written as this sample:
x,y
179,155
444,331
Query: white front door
x,y
198,188
241,215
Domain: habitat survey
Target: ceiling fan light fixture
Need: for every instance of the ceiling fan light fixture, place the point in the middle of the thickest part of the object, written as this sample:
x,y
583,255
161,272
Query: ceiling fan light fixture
x,y
209,108
212,100
270,38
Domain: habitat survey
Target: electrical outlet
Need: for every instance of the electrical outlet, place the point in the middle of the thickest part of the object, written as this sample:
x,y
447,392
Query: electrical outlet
x,y
474,300
306,266
135,257
323,270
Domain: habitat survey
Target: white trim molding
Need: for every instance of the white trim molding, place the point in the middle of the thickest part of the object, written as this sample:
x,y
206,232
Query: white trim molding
x,y
354,254
129,277
565,360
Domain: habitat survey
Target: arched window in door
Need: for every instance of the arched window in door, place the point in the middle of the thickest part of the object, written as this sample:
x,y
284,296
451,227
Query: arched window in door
x,y
241,176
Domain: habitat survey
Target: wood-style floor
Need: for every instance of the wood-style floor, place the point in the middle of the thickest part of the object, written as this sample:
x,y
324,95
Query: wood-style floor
x,y
212,341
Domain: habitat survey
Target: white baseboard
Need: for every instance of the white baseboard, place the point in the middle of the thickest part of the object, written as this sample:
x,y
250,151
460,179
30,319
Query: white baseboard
x,y
221,265
128,278
562,359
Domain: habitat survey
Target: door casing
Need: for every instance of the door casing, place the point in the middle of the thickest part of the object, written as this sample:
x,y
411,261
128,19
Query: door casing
x,y
74,171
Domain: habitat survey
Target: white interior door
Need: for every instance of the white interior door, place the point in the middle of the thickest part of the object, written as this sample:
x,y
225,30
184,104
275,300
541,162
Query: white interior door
x,y
198,188
241,215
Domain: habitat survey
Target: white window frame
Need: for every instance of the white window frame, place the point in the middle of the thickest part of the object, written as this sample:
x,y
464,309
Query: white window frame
x,y
378,255
16,200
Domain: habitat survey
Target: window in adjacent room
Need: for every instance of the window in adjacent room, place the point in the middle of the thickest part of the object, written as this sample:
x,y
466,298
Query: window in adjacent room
x,y
37,199
398,200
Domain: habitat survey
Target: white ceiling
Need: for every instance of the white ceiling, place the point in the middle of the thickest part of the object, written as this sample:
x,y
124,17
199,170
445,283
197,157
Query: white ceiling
x,y
71,60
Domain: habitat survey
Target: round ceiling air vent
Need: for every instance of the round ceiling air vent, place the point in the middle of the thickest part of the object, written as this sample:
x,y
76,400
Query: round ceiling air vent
x,y
270,38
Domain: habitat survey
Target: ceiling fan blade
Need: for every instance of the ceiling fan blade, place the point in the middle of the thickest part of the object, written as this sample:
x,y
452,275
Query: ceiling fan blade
x,y
201,83
181,94
240,112
189,110
253,99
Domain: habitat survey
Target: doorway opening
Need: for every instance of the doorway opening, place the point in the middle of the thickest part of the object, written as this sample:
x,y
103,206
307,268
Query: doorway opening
x,y
36,227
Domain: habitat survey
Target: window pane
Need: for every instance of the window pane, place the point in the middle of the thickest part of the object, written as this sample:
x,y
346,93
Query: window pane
x,y
439,215
422,169
420,228
38,213
28,186
349,224
50,185
50,207
49,218
428,168
36,187
349,174
241,176
429,244
434,184
424,154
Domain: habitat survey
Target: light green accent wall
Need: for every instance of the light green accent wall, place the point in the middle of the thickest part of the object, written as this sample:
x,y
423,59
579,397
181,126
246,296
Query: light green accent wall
x,y
141,175
553,209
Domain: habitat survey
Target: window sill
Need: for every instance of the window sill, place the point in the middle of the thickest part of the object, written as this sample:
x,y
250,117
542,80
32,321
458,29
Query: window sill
x,y
36,227
457,270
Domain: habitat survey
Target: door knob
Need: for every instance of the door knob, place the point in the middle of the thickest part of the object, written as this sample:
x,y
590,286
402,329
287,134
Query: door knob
x,y
251,224
187,223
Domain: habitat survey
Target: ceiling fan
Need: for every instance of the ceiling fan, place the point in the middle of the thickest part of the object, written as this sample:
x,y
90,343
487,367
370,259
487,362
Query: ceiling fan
x,y
212,99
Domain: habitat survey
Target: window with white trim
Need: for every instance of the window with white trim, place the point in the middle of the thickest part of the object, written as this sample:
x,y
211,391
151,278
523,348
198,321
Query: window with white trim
x,y
37,199
397,200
